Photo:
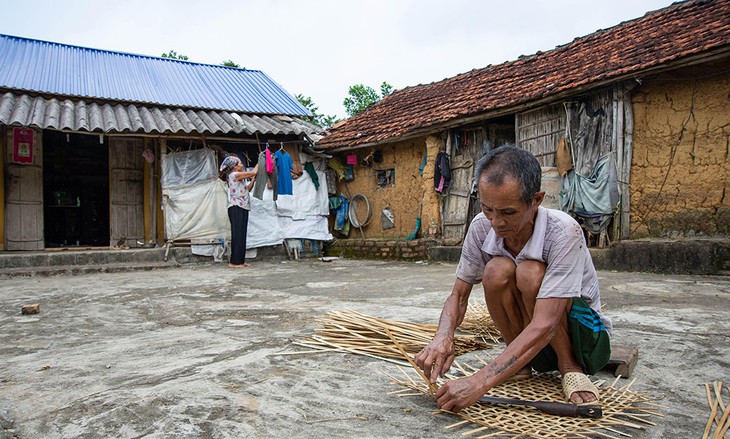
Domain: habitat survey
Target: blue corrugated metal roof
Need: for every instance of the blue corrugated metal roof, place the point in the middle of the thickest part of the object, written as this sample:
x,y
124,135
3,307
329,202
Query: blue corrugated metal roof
x,y
61,69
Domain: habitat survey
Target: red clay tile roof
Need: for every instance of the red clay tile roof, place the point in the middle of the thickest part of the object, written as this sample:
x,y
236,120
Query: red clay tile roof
x,y
669,34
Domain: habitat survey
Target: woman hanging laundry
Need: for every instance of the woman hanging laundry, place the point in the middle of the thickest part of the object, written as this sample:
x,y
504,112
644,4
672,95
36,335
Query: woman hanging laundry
x,y
239,204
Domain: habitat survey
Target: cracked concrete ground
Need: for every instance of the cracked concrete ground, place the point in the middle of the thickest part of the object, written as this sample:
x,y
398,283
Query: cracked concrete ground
x,y
200,351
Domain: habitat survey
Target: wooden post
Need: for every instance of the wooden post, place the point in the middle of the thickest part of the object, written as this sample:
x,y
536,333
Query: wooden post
x,y
2,188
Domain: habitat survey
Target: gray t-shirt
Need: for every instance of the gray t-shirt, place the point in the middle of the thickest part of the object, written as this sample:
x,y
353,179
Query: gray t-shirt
x,y
556,241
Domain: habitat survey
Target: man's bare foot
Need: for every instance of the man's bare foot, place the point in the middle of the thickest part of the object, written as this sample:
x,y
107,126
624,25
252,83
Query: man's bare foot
x,y
238,265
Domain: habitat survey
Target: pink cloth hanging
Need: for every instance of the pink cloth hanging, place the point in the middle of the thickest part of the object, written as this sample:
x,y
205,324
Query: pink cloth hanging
x,y
269,162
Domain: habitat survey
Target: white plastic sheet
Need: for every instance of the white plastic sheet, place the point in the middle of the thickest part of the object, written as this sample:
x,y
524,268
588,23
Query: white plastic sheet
x,y
197,211
306,200
263,228
186,167
195,199
196,204
312,227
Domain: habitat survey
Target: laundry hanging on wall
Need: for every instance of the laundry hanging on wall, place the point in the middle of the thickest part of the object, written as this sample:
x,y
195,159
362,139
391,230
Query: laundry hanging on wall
x,y
442,172
594,197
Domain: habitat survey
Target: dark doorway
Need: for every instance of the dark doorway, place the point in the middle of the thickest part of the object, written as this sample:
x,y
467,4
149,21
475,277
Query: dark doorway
x,y
75,190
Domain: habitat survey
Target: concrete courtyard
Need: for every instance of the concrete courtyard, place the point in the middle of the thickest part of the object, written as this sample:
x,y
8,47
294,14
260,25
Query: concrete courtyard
x,y
204,351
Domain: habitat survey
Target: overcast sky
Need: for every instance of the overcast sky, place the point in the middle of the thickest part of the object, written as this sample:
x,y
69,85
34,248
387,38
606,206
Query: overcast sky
x,y
319,48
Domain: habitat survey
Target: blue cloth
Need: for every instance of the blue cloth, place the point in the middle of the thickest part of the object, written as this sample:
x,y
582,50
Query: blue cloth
x,y
341,218
284,166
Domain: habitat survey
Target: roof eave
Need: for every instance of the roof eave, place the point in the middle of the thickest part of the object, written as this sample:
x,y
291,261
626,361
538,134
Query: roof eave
x,y
704,57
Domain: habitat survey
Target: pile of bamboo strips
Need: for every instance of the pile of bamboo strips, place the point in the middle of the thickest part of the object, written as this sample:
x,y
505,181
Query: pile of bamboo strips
x,y
353,332
719,412
623,409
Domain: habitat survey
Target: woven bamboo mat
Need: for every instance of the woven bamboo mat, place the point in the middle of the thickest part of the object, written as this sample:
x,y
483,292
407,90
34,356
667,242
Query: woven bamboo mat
x,y
624,410
356,333
719,412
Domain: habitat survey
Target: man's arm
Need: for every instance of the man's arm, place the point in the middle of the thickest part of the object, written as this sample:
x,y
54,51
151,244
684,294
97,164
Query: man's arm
x,y
436,358
460,393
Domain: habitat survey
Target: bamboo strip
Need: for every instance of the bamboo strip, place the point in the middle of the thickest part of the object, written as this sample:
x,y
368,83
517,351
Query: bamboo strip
x,y
618,403
713,412
431,387
718,393
722,426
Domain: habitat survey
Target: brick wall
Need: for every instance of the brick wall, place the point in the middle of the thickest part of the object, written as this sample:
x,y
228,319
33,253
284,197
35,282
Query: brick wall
x,y
381,249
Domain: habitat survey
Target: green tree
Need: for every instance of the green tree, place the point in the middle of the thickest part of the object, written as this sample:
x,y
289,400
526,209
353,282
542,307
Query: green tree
x,y
362,96
322,120
174,55
230,63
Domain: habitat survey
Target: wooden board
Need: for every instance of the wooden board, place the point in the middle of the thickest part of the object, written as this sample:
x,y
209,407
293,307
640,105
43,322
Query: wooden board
x,y
623,360
126,191
24,198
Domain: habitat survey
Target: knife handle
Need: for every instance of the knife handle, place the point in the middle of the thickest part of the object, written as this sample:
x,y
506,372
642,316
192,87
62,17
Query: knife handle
x,y
573,410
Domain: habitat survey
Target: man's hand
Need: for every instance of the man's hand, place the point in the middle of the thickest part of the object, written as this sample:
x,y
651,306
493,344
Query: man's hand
x,y
436,358
458,394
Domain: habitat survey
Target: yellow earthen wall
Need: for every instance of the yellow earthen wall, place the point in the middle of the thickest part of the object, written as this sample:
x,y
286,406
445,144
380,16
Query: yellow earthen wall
x,y
680,178
404,198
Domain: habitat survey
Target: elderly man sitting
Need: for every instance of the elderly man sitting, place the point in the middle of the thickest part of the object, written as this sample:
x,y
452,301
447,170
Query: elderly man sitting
x,y
540,287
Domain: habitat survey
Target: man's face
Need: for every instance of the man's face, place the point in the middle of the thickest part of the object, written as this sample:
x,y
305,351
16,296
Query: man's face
x,y
510,216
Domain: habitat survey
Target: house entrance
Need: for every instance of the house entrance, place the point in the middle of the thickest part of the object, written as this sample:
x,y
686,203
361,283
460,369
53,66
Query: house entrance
x,y
75,190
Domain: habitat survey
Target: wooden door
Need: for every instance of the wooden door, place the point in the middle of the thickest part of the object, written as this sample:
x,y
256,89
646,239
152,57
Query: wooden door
x,y
457,205
126,187
24,197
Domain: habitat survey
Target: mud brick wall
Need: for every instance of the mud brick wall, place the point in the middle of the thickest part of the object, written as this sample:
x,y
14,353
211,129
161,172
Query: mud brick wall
x,y
380,249
411,195
680,169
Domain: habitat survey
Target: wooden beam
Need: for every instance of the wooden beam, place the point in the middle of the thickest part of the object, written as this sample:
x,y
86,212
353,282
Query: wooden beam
x,y
623,360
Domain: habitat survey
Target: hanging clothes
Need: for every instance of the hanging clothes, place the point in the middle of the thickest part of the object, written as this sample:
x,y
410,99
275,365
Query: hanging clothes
x,y
594,198
262,177
442,172
284,165
331,177
309,167
269,162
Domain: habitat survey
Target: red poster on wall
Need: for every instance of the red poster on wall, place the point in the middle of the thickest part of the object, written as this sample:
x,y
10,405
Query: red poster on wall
x,y
22,145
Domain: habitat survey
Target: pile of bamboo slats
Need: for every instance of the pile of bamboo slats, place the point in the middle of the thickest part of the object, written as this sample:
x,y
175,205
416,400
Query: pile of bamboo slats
x,y
719,412
353,332
623,409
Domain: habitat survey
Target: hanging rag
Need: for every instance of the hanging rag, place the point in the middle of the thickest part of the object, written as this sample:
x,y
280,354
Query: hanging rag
x,y
563,159
309,167
387,219
442,172
423,162
331,177
262,177
341,218
595,196
284,165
